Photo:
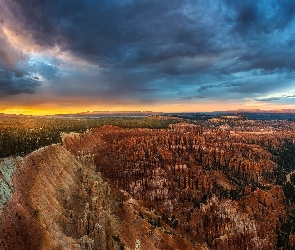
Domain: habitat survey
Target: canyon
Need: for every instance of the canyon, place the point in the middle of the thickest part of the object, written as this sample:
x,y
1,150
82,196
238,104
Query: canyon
x,y
219,184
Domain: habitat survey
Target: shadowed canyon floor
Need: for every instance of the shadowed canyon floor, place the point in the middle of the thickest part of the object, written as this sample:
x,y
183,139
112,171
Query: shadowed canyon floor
x,y
188,187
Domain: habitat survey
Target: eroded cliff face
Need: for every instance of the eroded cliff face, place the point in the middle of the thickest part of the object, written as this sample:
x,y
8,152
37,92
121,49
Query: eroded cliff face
x,y
55,199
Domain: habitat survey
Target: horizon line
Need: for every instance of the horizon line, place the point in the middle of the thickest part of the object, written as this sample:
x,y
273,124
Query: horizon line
x,y
155,112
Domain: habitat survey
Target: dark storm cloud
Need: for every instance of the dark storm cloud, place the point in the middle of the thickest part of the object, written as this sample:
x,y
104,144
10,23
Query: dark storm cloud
x,y
121,33
252,17
278,99
277,59
149,49
13,83
265,34
14,78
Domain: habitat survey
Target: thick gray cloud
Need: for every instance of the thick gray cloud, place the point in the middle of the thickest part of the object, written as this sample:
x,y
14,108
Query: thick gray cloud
x,y
121,33
13,83
256,18
14,78
150,50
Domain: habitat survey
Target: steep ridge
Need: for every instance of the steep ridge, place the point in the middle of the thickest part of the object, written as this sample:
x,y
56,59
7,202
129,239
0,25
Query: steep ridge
x,y
59,201
30,219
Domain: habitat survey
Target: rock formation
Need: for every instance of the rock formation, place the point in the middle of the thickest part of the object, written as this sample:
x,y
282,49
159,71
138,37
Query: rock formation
x,y
189,187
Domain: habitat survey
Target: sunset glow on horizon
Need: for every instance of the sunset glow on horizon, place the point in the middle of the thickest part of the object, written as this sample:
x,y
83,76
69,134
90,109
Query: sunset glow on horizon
x,y
39,111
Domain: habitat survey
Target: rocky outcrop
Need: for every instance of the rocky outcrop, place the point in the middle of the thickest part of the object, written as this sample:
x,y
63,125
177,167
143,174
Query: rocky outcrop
x,y
7,167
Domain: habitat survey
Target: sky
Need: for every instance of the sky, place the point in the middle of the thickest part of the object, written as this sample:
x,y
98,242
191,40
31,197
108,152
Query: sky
x,y
169,55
